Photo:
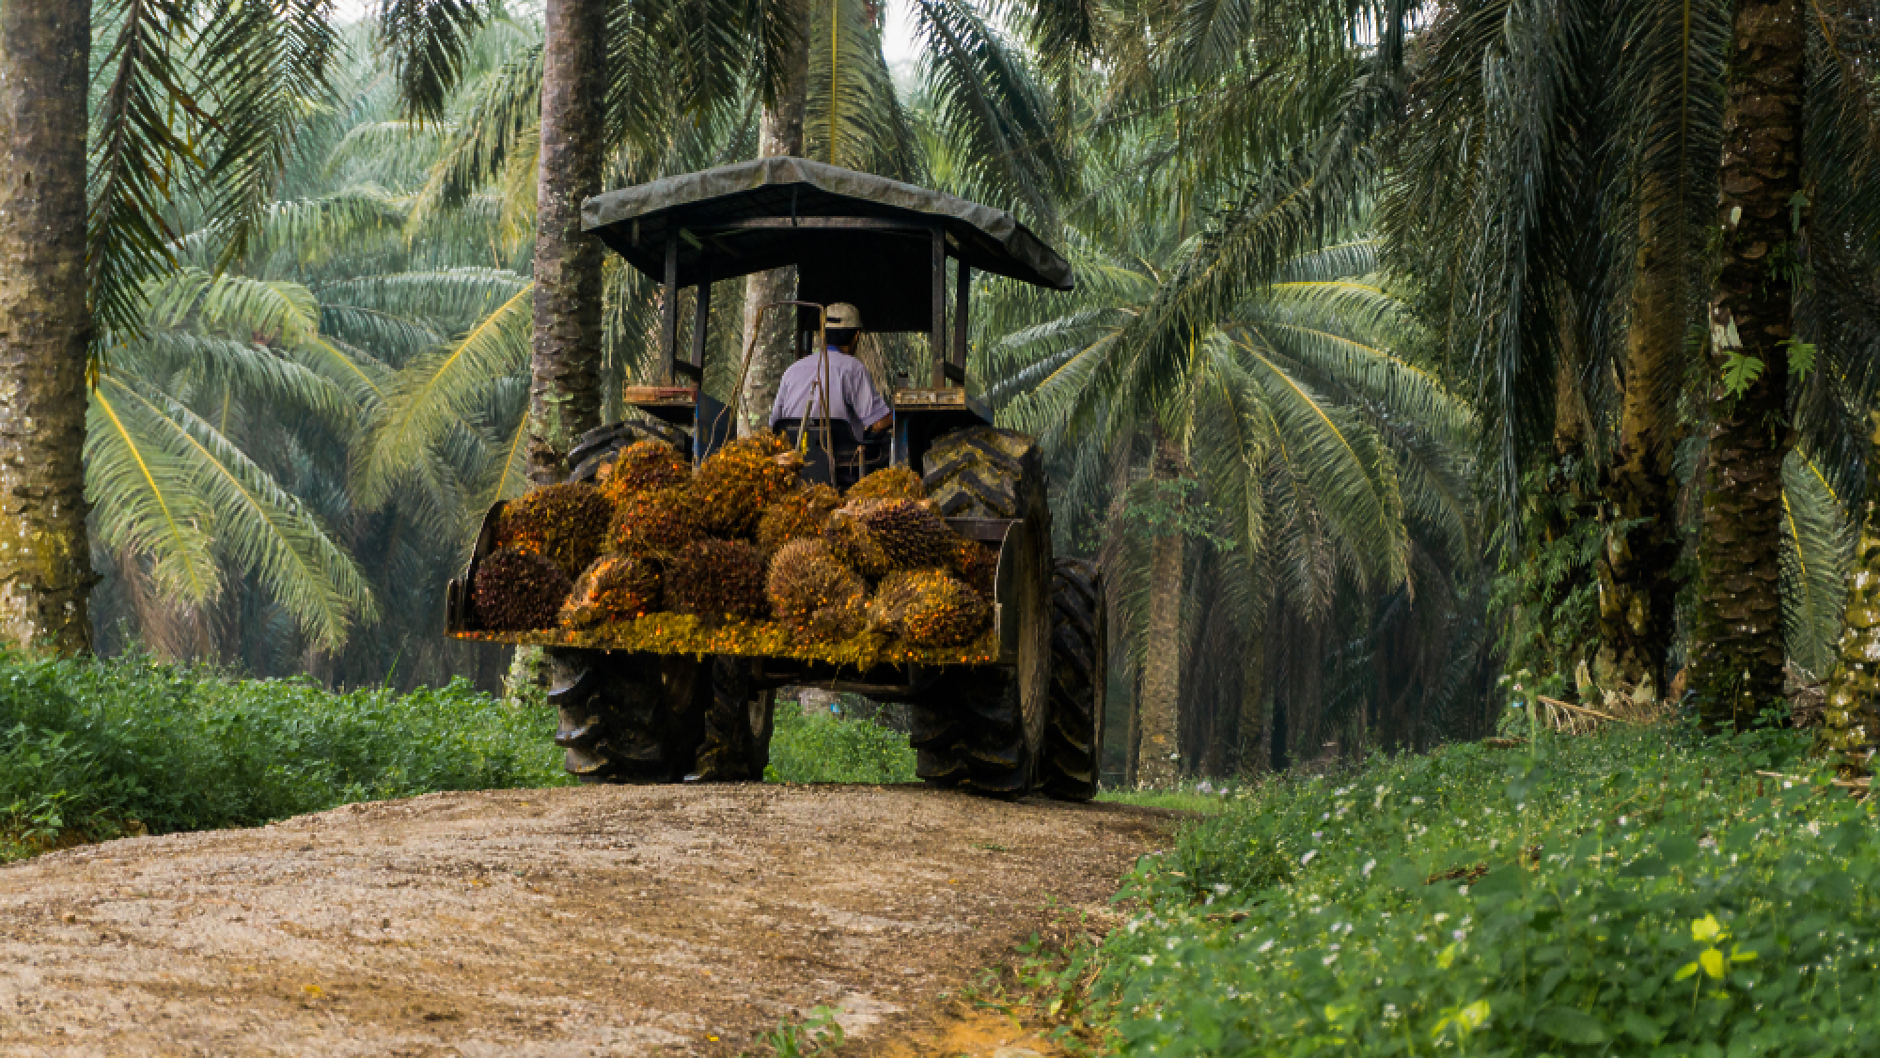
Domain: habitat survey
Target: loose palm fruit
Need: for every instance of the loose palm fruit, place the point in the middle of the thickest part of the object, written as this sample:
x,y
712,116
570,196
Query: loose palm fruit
x,y
614,588
805,578
643,466
715,579
891,483
736,483
656,522
854,546
927,608
519,591
798,514
565,523
910,535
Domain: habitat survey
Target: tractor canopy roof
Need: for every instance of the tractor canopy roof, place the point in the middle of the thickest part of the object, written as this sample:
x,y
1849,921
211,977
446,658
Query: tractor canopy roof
x,y
843,230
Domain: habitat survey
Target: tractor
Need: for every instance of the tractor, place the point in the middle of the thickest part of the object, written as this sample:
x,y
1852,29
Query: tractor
x,y
1022,711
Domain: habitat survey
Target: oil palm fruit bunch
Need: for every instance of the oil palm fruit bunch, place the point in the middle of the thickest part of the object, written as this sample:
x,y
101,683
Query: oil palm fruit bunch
x,y
798,514
643,466
974,563
832,624
910,534
805,579
519,591
614,588
716,579
889,483
927,608
654,522
854,546
565,523
736,483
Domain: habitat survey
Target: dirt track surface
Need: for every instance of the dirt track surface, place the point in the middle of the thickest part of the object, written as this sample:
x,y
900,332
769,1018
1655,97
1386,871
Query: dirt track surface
x,y
584,921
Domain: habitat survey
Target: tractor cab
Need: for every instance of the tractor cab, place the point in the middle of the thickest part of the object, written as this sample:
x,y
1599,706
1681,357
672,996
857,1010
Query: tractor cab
x,y
878,244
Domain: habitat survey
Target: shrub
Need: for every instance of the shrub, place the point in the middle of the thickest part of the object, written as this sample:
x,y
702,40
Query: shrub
x,y
1633,892
836,749
87,746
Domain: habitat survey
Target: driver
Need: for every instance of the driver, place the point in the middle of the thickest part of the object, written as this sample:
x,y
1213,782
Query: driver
x,y
856,400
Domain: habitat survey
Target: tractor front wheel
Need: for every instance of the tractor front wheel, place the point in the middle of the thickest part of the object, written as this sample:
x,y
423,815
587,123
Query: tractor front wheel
x,y
625,718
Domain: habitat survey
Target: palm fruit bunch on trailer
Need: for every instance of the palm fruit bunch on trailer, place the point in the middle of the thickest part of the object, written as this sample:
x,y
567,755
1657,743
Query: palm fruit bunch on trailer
x,y
614,588
642,467
738,556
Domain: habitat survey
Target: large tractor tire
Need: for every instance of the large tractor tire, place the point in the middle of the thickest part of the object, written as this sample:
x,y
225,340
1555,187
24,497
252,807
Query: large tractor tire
x,y
737,727
983,738
625,718
596,448
1073,741
985,472
983,728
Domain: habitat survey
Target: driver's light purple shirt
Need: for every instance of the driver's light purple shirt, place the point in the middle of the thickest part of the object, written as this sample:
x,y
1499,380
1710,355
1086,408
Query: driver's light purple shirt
x,y
857,402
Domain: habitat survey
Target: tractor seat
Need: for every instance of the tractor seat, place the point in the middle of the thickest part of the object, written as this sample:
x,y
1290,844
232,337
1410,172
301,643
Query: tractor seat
x,y
851,461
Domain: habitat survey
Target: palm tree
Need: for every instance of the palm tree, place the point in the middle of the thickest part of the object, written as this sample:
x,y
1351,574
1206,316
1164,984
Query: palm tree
x,y
1737,648
45,324
564,389
230,518
1300,456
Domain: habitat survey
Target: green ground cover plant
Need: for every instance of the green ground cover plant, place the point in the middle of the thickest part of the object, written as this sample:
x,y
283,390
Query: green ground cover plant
x,y
1203,797
1637,892
836,748
87,747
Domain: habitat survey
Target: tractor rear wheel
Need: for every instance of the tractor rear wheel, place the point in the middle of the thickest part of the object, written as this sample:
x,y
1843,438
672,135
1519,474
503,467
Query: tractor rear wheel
x,y
983,728
985,472
624,718
1073,742
982,738
597,447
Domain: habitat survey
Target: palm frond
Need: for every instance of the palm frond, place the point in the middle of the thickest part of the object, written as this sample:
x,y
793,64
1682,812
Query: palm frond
x,y
258,526
437,393
427,41
1818,549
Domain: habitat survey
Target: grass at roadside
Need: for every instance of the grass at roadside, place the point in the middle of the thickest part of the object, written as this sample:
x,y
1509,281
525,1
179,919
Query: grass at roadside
x,y
90,749
1634,892
1187,798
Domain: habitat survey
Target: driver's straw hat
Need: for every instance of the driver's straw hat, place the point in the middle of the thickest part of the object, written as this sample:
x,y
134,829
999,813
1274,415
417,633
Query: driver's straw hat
x,y
843,314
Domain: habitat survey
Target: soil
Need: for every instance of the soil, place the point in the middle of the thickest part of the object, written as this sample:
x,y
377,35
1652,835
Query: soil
x,y
580,921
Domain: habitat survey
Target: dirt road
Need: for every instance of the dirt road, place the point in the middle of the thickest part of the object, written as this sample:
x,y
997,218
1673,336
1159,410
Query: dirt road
x,y
587,921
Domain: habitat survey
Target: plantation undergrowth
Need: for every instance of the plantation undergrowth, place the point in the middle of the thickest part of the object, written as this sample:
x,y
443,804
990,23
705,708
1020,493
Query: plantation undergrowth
x,y
828,748
1633,892
93,749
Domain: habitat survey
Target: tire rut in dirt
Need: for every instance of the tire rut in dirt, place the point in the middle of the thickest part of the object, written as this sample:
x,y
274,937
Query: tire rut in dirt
x,y
1072,759
624,718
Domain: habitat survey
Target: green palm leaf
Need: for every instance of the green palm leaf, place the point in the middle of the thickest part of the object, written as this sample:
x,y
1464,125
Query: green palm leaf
x,y
257,526
437,393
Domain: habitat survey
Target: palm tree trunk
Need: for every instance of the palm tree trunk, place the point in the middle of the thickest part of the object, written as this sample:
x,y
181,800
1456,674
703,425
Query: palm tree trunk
x,y
1254,730
1850,727
780,135
45,325
1737,642
1158,757
564,387
1638,597
1132,741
